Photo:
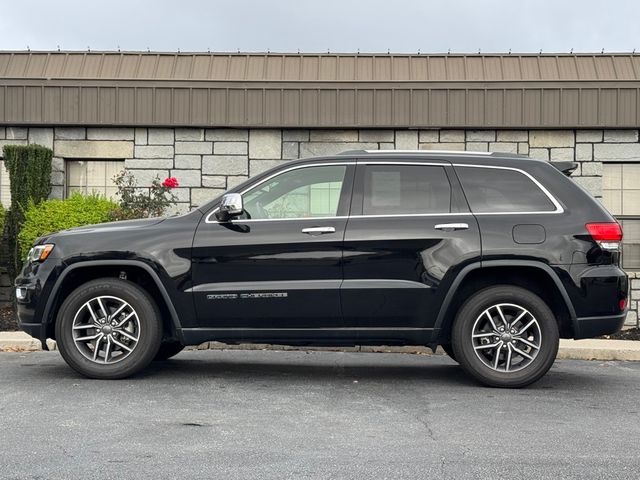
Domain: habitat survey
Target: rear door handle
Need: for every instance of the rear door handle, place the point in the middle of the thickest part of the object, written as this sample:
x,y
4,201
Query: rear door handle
x,y
318,230
452,226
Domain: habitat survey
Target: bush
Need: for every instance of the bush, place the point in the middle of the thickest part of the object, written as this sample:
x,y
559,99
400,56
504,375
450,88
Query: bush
x,y
55,215
142,202
3,214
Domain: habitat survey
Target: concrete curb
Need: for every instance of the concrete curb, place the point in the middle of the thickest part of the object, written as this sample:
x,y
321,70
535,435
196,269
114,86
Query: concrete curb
x,y
627,350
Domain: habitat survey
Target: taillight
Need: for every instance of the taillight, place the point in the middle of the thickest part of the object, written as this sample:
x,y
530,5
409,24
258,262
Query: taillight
x,y
608,235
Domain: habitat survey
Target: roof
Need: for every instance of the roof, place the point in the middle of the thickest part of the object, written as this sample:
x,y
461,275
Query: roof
x,y
320,90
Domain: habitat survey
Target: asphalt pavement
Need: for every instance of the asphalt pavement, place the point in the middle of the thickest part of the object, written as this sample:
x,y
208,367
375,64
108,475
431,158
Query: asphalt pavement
x,y
270,414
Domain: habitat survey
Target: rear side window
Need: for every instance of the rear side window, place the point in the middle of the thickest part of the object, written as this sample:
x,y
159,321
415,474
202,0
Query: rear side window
x,y
405,189
495,190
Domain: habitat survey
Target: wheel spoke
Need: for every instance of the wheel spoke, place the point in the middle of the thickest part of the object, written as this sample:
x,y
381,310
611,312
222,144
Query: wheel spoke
x,y
107,350
487,346
120,308
91,312
508,362
524,354
104,310
482,335
493,324
524,329
96,347
522,314
88,337
125,319
527,342
121,345
83,327
497,356
127,334
504,320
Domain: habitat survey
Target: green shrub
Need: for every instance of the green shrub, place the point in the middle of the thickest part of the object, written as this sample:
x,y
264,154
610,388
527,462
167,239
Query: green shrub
x,y
3,214
55,215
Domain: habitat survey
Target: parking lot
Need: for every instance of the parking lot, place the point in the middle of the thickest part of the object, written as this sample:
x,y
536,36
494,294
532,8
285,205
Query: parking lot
x,y
270,414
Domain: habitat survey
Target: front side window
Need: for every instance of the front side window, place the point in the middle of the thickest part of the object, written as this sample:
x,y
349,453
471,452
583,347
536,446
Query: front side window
x,y
621,196
93,176
405,189
308,192
498,190
5,192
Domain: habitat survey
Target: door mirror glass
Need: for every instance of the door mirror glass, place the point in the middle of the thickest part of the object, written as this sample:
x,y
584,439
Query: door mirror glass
x,y
231,206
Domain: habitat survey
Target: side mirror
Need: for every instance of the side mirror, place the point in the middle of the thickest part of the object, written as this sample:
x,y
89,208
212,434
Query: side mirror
x,y
231,206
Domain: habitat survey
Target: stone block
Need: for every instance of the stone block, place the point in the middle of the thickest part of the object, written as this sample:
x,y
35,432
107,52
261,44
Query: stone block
x,y
454,136
620,136
297,135
178,209
57,192
10,142
226,135
612,152
635,284
386,146
265,144
523,148
16,133
290,150
513,136
233,180
106,133
319,149
187,178
406,139
429,136
160,136
200,196
592,169
146,177
146,163
259,166
214,181
41,136
230,148
153,151
593,185
503,147
589,136
57,164
334,136
70,133
376,135
562,154
188,161
225,165
193,148
551,138
477,147
141,136
584,152
481,136
182,194
92,149
189,134
578,171
539,153
631,318
57,178
454,147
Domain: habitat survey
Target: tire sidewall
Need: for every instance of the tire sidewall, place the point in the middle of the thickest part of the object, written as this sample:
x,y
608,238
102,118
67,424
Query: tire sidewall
x,y
463,327
150,328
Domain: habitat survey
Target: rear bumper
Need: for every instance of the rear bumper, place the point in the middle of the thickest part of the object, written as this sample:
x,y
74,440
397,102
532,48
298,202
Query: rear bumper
x,y
589,327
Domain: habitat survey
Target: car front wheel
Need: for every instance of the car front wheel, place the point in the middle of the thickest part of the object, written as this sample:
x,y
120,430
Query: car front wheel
x,y
505,336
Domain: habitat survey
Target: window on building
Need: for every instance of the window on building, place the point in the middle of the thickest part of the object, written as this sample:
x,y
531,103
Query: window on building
x,y
5,192
93,176
621,196
405,189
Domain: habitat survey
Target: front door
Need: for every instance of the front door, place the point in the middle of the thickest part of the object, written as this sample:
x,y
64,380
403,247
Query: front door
x,y
277,268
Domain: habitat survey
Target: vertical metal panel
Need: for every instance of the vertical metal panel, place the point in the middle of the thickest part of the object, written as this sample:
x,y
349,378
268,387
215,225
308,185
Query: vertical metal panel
x,y
254,106
164,68
570,113
107,105
201,65
364,107
513,107
475,107
401,107
383,107
126,106
531,107
493,68
438,108
17,66
109,67
550,107
328,68
52,108
200,106
291,68
327,107
586,68
2,103
181,113
437,68
346,68
475,68
589,106
548,68
604,67
309,107
89,105
255,67
382,68
36,65
33,104
530,68
607,106
457,107
144,106
291,107
236,107
346,107
91,66
162,106
309,68
14,104
73,65
623,68
70,105
146,66
511,68
273,107
401,68
182,67
128,67
627,106
220,67
5,59
567,69
419,68
273,70
364,68
218,99
455,68
420,107
494,107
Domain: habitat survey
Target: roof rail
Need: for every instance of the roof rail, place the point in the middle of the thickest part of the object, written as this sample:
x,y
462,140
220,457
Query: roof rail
x,y
420,152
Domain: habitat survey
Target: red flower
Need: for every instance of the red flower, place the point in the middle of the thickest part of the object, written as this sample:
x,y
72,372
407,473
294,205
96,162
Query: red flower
x,y
170,182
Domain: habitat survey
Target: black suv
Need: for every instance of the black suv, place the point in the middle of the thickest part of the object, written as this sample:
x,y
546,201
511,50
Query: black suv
x,y
493,256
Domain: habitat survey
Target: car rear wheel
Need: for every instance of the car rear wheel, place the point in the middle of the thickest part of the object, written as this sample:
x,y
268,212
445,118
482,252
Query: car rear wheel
x,y
168,350
108,329
505,336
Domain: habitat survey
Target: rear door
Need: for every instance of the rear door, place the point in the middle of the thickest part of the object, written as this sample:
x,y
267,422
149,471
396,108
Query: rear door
x,y
409,232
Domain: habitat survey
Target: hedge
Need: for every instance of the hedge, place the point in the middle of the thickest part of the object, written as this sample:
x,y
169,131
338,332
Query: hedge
x,y
55,215
3,214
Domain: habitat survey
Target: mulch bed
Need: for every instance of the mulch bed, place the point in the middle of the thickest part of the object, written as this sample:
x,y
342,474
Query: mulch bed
x,y
628,334
8,319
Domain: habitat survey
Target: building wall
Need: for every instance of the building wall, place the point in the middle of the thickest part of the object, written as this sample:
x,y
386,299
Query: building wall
x,y
206,162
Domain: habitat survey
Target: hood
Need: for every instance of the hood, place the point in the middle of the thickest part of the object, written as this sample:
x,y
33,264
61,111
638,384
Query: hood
x,y
105,227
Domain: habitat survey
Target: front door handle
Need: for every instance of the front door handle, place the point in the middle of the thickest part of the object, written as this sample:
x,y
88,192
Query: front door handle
x,y
452,226
318,230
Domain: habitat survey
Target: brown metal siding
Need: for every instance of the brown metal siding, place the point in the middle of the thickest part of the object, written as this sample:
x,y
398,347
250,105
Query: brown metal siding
x,y
273,90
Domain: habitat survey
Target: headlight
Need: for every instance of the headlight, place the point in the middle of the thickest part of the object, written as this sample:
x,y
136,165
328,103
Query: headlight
x,y
40,253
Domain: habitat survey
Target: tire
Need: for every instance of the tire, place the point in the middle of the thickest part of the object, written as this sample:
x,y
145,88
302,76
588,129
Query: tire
x,y
448,349
501,358
168,350
127,338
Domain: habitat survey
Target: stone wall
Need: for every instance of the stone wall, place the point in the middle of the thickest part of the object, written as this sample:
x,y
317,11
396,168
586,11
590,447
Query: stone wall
x,y
206,162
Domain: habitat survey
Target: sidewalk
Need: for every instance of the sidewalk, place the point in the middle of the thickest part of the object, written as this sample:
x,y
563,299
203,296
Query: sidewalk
x,y
628,350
